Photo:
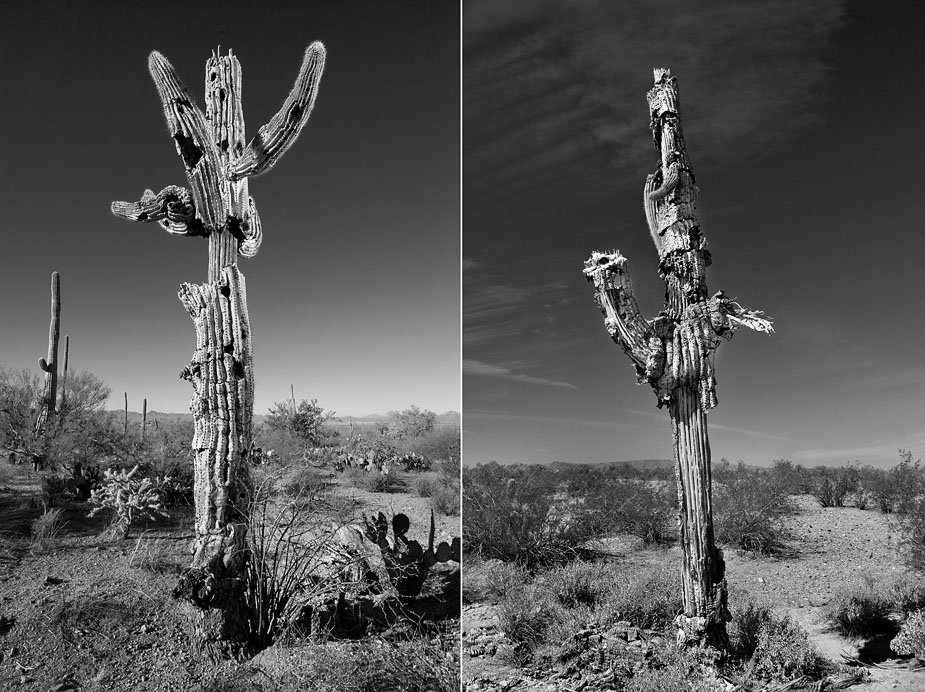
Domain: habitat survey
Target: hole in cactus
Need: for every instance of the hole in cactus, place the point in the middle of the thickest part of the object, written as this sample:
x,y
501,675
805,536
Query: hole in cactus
x,y
221,94
295,113
143,216
224,145
189,152
238,370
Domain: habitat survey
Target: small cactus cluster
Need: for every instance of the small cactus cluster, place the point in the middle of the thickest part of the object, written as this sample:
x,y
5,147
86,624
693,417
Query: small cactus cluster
x,y
129,497
377,455
911,638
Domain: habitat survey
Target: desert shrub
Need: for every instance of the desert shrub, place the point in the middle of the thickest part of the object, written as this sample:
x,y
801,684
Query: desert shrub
x,y
525,613
440,444
411,422
911,638
373,481
912,524
859,609
579,583
907,593
446,501
513,515
46,529
424,486
639,508
748,510
410,461
306,485
792,479
784,652
491,580
832,486
670,669
129,497
648,598
287,546
304,421
55,489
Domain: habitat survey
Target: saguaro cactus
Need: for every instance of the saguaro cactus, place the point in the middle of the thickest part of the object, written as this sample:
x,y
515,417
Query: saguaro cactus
x,y
62,390
674,352
49,364
218,206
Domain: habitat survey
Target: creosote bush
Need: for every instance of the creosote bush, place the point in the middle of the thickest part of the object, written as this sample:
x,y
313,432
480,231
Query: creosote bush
x,y
748,508
512,514
859,609
831,487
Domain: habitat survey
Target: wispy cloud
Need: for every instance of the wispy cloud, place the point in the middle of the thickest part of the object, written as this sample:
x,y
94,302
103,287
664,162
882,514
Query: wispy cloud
x,y
503,416
879,449
718,426
553,93
474,367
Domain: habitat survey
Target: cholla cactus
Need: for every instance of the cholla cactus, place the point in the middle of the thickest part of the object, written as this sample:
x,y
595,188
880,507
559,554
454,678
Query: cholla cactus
x,y
911,638
128,497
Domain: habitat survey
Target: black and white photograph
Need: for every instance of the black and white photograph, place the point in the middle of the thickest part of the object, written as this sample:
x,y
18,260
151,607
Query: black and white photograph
x,y
230,355
648,502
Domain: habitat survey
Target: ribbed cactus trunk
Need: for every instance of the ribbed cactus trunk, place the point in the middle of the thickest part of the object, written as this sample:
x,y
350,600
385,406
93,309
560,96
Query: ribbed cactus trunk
x,y
49,364
674,353
62,389
218,162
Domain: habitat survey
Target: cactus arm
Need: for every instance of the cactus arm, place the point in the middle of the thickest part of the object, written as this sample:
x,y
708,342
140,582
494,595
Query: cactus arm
x,y
172,208
190,131
252,231
672,177
617,299
274,139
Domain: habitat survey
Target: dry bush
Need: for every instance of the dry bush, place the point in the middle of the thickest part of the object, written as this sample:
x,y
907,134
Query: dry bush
x,y
907,593
46,530
639,508
372,481
748,509
286,573
648,598
859,609
831,487
526,613
513,515
489,581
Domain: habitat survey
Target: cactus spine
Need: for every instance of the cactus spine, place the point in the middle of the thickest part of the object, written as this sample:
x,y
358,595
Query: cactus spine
x,y
218,206
674,352
49,364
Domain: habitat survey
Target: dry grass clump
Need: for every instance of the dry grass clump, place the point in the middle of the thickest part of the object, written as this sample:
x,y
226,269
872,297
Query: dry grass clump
x,y
748,509
46,530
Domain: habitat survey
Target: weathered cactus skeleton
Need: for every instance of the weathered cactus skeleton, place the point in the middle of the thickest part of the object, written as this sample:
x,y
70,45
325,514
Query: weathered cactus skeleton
x,y
674,352
218,206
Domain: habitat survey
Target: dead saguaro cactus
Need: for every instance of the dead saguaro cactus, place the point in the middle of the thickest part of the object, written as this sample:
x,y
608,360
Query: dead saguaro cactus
x,y
49,364
218,162
674,352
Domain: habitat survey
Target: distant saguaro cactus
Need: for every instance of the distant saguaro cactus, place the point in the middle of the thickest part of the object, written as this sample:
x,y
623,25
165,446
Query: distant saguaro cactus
x,y
674,352
49,364
218,206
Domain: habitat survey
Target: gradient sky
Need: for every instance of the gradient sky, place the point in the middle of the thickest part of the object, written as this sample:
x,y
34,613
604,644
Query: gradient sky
x,y
354,296
803,123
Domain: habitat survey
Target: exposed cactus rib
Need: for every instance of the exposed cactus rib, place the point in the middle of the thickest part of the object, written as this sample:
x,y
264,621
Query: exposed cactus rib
x,y
253,231
275,138
172,208
190,131
672,178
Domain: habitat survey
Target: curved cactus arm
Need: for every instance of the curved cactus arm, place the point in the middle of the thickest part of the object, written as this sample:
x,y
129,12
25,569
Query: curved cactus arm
x,y
616,297
672,177
172,208
251,230
274,139
190,131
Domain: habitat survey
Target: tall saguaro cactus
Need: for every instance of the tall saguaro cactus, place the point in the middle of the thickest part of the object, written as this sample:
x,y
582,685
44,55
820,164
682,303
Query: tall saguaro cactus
x,y
674,352
49,364
218,164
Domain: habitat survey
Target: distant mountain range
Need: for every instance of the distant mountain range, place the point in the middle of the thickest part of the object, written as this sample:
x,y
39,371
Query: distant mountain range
x,y
450,418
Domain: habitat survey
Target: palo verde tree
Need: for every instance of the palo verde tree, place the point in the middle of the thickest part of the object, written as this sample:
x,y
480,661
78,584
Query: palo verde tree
x,y
217,206
674,352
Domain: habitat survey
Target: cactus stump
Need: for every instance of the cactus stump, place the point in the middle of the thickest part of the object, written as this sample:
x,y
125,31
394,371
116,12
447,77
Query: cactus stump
x,y
218,163
674,353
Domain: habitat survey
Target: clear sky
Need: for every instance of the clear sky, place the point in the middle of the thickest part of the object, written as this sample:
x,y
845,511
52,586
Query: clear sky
x,y
354,296
803,123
